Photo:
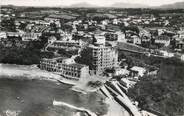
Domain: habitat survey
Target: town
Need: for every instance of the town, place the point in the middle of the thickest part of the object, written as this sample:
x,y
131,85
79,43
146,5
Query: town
x,y
124,48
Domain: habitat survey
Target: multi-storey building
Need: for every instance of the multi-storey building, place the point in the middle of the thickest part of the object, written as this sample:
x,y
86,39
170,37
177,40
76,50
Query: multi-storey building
x,y
30,36
3,35
103,57
165,40
115,36
65,67
64,44
111,37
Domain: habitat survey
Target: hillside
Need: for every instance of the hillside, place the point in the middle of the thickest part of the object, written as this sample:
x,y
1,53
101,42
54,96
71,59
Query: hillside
x,y
128,5
163,92
82,5
177,5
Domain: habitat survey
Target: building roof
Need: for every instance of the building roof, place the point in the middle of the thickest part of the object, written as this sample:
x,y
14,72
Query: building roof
x,y
77,65
162,37
55,59
136,68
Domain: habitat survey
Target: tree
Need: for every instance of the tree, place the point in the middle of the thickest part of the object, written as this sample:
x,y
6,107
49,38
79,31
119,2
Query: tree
x,y
85,58
163,92
9,25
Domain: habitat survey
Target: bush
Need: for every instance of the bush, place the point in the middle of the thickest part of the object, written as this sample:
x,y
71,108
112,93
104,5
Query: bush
x,y
94,84
164,93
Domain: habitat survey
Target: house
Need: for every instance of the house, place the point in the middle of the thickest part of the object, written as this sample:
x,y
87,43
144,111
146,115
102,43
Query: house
x,y
145,39
121,71
51,39
181,34
30,36
105,22
99,36
166,54
179,45
115,21
100,39
121,36
111,36
13,34
115,36
144,32
65,67
3,35
66,36
58,44
162,39
137,71
182,57
134,39
160,31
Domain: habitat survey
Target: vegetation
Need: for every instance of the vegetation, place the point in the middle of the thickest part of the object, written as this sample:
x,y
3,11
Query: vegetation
x,y
94,84
9,25
164,92
31,54
133,59
68,53
15,55
85,58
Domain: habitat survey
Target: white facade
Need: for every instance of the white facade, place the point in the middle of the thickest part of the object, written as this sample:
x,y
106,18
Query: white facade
x,y
3,35
140,70
182,57
30,36
121,36
121,71
166,54
136,39
65,67
103,57
100,39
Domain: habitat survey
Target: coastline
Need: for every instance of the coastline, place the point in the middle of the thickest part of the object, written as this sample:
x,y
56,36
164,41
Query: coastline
x,y
31,72
26,72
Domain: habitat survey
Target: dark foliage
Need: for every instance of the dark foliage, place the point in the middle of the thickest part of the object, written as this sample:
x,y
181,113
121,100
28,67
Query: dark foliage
x,y
85,58
164,92
9,25
31,54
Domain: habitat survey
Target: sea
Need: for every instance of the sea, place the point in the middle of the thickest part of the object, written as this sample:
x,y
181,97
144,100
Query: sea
x,y
35,98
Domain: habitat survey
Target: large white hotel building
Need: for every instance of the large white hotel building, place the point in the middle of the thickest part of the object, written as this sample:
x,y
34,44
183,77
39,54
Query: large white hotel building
x,y
65,67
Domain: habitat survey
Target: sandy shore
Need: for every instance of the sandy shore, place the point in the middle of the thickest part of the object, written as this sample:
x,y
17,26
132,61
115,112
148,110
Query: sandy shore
x,y
33,72
26,72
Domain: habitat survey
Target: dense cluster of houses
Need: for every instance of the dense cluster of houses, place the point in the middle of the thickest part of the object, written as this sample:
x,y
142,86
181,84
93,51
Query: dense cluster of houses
x,y
99,37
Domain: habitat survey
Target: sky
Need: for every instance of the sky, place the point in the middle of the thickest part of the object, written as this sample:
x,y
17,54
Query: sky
x,y
93,2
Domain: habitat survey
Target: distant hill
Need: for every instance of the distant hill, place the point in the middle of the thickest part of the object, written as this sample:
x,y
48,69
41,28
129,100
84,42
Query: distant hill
x,y
177,5
83,5
128,5
116,5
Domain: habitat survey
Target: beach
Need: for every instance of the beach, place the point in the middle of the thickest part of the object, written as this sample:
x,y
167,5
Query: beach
x,y
25,88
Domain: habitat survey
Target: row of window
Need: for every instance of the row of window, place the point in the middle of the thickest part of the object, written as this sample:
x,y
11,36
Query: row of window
x,y
71,74
54,64
64,72
64,67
